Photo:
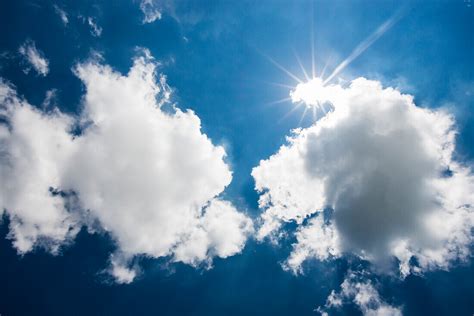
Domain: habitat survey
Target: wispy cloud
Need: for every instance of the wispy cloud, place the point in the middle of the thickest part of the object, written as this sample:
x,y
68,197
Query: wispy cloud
x,y
34,57
62,14
151,11
96,30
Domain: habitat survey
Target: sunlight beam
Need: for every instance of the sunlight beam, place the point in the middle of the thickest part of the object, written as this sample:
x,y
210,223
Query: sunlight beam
x,y
278,84
365,44
296,107
313,111
303,115
281,67
324,69
279,101
301,66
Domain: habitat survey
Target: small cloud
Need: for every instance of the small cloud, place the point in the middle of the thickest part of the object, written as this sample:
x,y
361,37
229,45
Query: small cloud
x,y
120,270
359,291
151,11
34,57
62,14
96,30
314,240
49,99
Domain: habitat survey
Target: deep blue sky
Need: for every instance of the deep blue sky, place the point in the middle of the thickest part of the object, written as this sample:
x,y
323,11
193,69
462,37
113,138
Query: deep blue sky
x,y
211,52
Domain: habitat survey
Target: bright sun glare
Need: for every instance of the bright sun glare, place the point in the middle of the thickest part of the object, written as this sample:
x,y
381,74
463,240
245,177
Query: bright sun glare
x,y
314,92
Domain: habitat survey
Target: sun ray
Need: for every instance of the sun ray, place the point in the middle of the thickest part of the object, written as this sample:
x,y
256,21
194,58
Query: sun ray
x,y
324,69
296,107
303,115
365,44
279,101
313,108
279,84
301,65
322,106
275,63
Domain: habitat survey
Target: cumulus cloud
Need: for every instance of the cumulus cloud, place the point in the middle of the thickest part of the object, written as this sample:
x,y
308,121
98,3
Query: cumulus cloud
x,y
386,169
363,294
151,11
34,147
34,58
148,177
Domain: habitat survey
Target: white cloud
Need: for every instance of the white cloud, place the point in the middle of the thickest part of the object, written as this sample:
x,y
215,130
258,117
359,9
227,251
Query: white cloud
x,y
62,14
49,99
381,163
96,30
314,240
151,11
120,271
34,57
362,293
34,147
150,178
221,232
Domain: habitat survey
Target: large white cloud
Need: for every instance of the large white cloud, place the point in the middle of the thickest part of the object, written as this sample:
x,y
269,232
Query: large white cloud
x,y
385,167
148,176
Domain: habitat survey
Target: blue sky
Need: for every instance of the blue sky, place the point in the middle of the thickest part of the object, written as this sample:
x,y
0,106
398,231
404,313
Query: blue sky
x,y
216,59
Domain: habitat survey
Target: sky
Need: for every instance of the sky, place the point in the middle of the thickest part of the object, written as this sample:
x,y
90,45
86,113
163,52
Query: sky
x,y
163,157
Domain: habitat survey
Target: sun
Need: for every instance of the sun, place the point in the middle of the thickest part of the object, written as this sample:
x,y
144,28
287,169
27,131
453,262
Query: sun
x,y
316,92
312,93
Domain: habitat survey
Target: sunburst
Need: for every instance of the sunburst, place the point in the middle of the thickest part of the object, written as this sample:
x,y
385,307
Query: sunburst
x,y
315,91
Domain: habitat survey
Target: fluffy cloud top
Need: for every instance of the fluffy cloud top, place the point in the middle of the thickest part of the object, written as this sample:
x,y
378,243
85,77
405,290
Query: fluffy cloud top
x,y
34,57
149,177
361,293
34,150
386,169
